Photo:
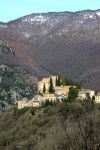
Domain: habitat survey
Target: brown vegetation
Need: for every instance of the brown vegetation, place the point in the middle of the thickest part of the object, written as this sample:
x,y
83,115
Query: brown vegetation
x,y
62,126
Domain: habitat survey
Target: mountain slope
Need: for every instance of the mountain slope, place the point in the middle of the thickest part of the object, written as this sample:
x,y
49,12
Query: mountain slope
x,y
65,43
15,83
53,127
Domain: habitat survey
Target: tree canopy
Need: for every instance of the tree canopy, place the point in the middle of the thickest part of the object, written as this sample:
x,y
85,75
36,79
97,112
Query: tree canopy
x,y
73,93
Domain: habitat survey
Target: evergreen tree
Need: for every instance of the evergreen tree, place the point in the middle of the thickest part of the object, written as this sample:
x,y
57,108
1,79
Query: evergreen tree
x,y
58,82
3,106
51,88
67,81
44,89
32,111
93,102
73,93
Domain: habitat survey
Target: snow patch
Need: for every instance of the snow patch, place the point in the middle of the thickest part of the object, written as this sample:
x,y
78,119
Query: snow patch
x,y
27,35
3,26
98,13
39,19
89,16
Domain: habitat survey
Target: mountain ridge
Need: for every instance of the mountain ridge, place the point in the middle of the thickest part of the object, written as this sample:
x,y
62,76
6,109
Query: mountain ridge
x,y
50,12
65,43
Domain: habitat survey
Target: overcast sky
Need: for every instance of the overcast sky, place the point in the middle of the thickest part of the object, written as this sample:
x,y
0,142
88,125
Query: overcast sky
x,y
12,9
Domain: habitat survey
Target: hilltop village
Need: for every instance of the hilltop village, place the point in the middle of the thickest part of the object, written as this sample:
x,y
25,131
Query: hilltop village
x,y
54,89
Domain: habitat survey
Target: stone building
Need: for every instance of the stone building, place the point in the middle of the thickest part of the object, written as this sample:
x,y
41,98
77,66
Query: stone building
x,y
23,103
50,97
34,102
62,90
84,92
97,98
46,82
59,90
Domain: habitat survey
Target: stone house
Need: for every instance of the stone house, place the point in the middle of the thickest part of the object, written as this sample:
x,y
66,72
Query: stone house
x,y
23,103
97,98
84,92
34,102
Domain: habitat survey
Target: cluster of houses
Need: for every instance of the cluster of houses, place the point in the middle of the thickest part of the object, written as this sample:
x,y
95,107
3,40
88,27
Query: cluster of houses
x,y
60,92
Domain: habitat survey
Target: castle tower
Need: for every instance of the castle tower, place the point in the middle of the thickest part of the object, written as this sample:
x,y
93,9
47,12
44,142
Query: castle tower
x,y
46,82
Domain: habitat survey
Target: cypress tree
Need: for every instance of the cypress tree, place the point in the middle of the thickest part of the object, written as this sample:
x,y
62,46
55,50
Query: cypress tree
x,y
51,88
44,89
58,82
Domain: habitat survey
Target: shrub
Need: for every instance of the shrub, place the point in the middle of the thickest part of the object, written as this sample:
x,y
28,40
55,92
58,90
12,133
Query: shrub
x,y
45,110
47,103
42,123
24,110
76,109
32,111
19,112
65,108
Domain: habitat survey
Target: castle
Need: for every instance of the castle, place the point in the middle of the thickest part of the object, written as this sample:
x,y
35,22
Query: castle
x,y
59,90
46,82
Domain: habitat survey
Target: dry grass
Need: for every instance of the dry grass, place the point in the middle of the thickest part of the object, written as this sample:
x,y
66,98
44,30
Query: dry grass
x,y
58,131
